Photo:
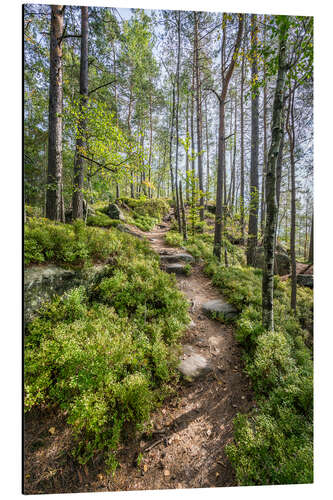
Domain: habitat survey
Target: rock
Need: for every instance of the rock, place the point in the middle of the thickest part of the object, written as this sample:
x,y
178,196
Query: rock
x,y
114,212
176,257
305,280
219,309
126,229
282,261
176,268
41,283
193,364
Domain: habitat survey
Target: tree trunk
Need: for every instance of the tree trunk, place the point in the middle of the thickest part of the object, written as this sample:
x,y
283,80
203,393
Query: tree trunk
x,y
291,135
254,178
242,183
178,215
183,211
264,168
311,243
150,144
54,173
271,204
187,194
77,200
199,116
207,155
226,76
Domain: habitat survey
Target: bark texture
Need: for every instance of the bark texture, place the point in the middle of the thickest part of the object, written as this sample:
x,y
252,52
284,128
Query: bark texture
x,y
54,172
271,202
80,141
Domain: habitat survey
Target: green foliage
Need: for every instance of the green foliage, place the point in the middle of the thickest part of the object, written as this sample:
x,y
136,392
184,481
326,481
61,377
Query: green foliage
x,y
273,445
174,239
67,244
102,220
145,222
107,362
153,207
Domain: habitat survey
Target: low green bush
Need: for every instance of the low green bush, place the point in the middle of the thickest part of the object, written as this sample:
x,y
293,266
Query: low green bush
x,y
102,220
67,244
109,360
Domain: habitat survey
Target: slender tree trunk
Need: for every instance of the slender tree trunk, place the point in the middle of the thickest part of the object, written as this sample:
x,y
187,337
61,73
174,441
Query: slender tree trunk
x,y
199,116
264,168
150,144
187,194
311,243
54,173
207,155
226,76
184,229
271,204
242,182
291,135
254,178
178,215
77,200
171,140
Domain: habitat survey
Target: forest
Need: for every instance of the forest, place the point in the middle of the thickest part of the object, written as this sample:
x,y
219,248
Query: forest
x,y
168,249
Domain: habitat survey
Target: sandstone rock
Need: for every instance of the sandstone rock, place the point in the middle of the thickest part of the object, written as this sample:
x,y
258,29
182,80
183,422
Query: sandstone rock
x,y
176,268
41,283
176,257
193,364
114,212
219,309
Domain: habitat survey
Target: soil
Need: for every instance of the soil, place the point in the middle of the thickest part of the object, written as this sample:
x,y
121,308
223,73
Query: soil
x,y
186,448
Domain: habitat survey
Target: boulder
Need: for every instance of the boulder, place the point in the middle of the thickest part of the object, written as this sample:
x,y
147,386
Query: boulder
x,y
282,261
220,309
42,283
305,280
192,364
114,212
176,257
176,268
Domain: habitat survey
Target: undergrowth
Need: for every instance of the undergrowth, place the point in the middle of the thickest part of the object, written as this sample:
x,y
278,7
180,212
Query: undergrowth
x,y
107,359
273,444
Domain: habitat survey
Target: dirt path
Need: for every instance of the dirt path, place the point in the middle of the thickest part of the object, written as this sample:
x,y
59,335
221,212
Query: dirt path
x,y
193,428
190,430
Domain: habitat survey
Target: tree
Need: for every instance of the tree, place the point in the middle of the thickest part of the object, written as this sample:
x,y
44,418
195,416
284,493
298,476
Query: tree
x,y
78,159
54,205
226,76
271,204
254,177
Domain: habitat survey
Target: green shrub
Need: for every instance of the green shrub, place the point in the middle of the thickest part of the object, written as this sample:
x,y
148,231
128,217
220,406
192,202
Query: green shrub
x,y
273,444
108,361
174,239
68,244
102,220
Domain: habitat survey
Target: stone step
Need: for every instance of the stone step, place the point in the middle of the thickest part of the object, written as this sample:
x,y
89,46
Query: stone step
x,y
175,268
219,309
176,257
192,364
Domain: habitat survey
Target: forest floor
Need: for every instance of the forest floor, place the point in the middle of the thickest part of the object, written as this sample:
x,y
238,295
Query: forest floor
x,y
189,431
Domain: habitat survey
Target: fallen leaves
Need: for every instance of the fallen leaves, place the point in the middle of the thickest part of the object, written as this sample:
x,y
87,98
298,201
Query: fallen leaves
x,y
52,430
